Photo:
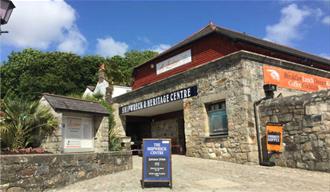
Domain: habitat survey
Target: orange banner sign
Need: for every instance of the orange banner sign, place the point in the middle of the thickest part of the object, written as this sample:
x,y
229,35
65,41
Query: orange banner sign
x,y
274,137
294,80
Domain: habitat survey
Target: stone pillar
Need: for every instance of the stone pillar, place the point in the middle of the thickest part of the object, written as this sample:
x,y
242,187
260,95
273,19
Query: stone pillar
x,y
101,142
108,92
190,144
120,121
101,73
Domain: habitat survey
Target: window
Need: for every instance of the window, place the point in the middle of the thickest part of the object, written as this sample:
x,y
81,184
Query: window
x,y
217,118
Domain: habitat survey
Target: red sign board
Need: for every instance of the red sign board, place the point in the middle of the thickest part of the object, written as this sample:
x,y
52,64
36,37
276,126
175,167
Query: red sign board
x,y
294,80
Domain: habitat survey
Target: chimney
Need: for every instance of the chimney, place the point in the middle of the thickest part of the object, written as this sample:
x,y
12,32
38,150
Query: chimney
x,y
101,73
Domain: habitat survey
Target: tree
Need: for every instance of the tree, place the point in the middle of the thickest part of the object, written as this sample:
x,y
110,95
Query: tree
x,y
120,68
24,123
30,72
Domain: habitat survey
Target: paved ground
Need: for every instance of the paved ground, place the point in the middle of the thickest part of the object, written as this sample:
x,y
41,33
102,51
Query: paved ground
x,y
194,174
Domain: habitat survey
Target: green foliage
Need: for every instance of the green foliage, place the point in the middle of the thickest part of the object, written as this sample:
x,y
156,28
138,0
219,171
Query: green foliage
x,y
114,140
31,72
25,123
120,68
98,96
75,95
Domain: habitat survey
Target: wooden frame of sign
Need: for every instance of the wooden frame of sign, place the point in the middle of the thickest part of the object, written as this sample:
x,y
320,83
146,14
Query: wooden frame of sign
x,y
167,166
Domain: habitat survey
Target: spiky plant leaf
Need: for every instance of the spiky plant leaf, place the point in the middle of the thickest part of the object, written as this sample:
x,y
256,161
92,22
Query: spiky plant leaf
x,y
24,123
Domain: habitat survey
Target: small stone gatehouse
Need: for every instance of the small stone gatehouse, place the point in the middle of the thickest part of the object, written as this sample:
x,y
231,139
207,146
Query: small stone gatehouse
x,y
83,125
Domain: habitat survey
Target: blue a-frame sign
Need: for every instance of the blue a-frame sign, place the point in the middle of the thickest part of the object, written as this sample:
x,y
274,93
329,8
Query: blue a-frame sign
x,y
157,165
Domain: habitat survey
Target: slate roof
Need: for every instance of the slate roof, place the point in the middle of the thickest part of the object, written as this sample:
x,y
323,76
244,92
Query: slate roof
x,y
90,87
59,102
212,28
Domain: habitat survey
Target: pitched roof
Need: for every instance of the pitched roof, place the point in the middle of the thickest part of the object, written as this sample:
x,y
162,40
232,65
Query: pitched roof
x,y
211,28
59,102
90,87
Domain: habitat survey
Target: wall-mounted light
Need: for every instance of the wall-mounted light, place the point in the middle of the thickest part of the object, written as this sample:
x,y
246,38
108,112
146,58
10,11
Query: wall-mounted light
x,y
269,90
6,8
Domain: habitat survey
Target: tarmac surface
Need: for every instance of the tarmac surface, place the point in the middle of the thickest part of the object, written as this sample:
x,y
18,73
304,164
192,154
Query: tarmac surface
x,y
195,174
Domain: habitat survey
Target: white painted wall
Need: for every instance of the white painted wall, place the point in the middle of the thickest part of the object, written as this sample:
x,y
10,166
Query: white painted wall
x,y
120,90
87,92
101,88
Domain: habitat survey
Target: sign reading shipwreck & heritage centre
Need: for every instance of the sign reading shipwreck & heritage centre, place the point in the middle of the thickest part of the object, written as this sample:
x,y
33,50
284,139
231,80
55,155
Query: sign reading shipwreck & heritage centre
x,y
157,166
162,99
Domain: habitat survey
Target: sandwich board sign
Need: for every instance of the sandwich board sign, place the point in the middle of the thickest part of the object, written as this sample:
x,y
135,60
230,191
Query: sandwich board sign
x,y
274,137
157,165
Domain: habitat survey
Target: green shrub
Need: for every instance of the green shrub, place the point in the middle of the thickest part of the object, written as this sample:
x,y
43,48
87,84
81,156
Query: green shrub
x,y
114,140
24,123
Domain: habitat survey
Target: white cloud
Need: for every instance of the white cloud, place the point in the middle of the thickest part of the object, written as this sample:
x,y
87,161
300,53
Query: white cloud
x,y
38,24
287,29
108,47
326,20
160,48
317,12
73,42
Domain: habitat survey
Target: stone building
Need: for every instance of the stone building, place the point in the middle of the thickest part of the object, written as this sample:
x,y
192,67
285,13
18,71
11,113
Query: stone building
x,y
83,125
201,92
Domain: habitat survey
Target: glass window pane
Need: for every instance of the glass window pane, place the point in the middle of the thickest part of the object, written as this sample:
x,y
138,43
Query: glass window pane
x,y
218,121
218,118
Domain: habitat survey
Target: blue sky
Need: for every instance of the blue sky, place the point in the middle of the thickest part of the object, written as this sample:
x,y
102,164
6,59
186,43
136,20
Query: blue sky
x,y
110,28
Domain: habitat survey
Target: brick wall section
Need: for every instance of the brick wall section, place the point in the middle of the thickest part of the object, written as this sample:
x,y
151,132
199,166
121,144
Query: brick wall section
x,y
40,172
306,131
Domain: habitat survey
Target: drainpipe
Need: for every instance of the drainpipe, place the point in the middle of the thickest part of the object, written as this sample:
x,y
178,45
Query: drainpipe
x,y
269,92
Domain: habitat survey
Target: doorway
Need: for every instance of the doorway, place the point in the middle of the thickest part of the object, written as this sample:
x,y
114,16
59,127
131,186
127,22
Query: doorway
x,y
168,125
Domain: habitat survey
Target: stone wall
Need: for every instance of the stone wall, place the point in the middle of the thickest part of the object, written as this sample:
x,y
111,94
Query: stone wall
x,y
167,128
219,80
53,143
222,83
101,134
40,172
236,79
306,134
120,121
